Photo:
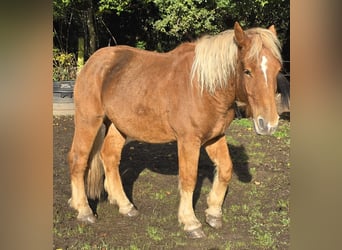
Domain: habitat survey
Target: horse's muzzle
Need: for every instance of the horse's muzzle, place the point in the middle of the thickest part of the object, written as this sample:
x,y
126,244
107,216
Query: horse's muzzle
x,y
263,127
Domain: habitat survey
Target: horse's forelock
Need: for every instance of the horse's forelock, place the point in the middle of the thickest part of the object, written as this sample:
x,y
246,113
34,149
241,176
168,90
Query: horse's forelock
x,y
263,38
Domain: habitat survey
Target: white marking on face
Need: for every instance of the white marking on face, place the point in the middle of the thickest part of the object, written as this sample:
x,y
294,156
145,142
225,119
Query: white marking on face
x,y
264,67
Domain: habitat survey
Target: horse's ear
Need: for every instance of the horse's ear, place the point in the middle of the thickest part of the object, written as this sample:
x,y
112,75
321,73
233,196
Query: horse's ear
x,y
272,29
240,36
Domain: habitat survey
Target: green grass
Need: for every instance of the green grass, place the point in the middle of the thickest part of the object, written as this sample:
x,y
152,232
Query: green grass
x,y
154,233
264,222
283,131
133,247
159,195
231,140
235,245
245,122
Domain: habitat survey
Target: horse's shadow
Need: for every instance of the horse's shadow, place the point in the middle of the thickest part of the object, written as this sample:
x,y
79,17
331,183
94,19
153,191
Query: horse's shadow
x,y
163,159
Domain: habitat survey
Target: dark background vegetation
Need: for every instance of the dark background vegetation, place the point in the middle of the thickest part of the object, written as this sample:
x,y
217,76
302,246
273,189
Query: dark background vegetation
x,y
157,25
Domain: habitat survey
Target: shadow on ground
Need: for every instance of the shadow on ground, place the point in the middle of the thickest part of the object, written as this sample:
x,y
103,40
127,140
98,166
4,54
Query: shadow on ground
x,y
163,159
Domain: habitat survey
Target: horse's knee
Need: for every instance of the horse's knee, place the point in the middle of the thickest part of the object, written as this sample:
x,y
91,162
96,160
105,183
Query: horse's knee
x,y
225,175
77,163
188,183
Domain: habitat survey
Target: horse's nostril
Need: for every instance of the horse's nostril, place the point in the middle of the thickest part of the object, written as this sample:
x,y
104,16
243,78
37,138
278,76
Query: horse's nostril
x,y
261,122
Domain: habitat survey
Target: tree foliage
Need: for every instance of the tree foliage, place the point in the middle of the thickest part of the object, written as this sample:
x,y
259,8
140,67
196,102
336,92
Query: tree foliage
x,y
186,18
162,24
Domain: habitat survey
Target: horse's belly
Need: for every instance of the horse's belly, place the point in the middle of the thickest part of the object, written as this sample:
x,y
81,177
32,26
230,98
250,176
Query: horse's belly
x,y
142,125
146,132
151,136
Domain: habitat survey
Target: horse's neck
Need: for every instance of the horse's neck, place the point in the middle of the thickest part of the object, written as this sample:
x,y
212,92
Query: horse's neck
x,y
225,97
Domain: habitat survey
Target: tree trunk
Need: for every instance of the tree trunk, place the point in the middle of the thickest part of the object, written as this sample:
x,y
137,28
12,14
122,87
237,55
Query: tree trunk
x,y
91,28
80,54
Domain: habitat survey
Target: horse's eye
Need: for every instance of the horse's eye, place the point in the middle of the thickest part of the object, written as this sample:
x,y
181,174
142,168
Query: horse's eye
x,y
247,72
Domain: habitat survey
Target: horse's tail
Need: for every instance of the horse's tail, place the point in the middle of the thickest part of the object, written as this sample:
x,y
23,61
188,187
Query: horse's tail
x,y
283,87
94,176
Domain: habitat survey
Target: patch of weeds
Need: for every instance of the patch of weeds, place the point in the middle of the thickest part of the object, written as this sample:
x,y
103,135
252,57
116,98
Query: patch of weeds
x,y
144,173
252,171
262,226
245,208
241,244
56,232
234,208
178,239
232,141
253,192
256,157
264,239
235,245
102,245
228,246
154,233
247,123
133,247
225,216
205,189
285,222
160,195
282,131
70,215
86,246
211,234
283,204
81,229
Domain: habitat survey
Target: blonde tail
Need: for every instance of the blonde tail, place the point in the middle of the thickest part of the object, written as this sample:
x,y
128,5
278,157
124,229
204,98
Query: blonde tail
x,y
94,176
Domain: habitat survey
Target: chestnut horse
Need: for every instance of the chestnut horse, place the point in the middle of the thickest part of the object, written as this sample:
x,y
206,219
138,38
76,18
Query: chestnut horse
x,y
186,95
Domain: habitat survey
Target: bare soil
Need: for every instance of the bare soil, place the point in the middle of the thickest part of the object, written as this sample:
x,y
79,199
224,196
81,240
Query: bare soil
x,y
256,208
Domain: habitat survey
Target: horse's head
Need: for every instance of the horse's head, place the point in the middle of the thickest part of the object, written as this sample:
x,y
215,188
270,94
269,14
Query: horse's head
x,y
259,62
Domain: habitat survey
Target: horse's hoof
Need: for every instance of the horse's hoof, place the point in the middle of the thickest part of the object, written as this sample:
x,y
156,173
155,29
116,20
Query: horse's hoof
x,y
196,233
213,221
89,218
132,213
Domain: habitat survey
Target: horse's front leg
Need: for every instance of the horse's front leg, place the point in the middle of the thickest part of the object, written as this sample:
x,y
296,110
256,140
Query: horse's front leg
x,y
188,154
219,154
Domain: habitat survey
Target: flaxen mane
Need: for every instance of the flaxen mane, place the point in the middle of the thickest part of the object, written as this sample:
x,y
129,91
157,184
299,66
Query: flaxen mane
x,y
216,56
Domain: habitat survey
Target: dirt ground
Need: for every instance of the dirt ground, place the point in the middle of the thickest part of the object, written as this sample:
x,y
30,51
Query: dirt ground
x,y
256,208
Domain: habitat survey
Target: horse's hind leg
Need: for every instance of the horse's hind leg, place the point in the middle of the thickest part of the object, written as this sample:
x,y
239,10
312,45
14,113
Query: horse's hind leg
x,y
219,154
111,154
85,133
